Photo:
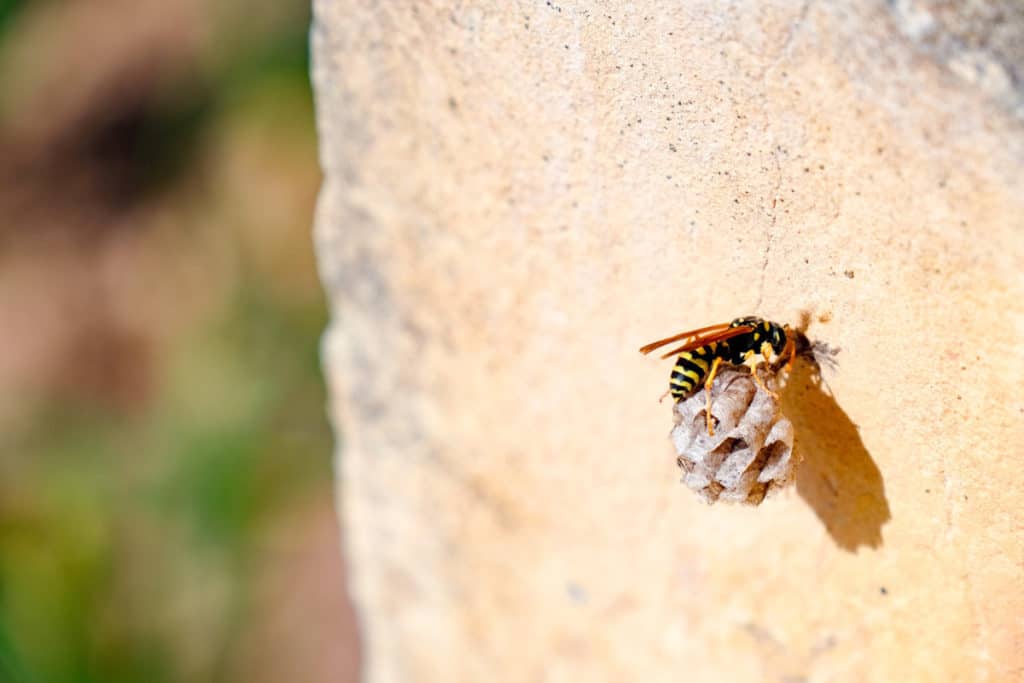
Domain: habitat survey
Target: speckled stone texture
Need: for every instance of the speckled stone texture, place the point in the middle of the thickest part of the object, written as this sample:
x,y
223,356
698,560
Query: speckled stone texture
x,y
518,195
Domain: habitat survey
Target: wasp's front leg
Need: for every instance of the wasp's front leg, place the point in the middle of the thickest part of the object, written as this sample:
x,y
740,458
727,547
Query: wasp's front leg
x,y
757,378
752,362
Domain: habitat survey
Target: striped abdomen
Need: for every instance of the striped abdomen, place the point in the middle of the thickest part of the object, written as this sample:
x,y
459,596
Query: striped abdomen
x,y
691,368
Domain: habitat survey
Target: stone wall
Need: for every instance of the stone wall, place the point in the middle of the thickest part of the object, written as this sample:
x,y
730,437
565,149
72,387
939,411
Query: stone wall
x,y
518,195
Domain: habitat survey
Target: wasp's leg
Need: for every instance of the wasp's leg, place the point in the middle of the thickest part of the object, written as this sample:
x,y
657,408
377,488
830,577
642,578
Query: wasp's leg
x,y
662,398
757,378
707,394
751,362
766,351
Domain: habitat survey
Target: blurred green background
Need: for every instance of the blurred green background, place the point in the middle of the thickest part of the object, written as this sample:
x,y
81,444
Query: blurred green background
x,y
165,476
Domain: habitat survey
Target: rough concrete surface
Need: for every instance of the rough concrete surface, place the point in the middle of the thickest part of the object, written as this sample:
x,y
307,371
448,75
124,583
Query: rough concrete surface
x,y
520,194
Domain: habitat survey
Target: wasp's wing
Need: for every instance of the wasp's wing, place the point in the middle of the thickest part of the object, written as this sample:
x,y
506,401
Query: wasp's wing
x,y
710,336
710,329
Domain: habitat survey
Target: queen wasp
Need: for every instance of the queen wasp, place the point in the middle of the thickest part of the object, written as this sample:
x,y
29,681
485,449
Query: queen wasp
x,y
749,341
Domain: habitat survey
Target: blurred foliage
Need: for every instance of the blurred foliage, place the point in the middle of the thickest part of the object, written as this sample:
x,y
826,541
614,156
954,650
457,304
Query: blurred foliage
x,y
159,427
8,8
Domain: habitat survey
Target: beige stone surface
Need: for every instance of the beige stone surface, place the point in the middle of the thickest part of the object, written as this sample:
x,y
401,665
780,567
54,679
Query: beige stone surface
x,y
520,194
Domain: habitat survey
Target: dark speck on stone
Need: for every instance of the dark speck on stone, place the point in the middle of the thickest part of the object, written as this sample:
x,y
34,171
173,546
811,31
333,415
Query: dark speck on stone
x,y
848,273
883,590
576,592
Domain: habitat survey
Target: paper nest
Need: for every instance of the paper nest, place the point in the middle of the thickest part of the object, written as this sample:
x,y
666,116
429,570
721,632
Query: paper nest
x,y
750,455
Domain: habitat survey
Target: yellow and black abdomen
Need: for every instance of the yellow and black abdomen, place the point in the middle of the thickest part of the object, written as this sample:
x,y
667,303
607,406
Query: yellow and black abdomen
x,y
691,368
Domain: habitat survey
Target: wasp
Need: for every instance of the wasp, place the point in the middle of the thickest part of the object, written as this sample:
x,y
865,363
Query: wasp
x,y
749,341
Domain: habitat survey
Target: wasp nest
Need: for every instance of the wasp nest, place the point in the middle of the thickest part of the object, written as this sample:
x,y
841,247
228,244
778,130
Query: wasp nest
x,y
750,454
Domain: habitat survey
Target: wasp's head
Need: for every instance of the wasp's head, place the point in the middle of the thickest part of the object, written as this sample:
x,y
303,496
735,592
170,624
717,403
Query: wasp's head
x,y
778,337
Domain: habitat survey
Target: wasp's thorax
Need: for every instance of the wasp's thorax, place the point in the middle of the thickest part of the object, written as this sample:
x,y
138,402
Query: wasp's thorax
x,y
764,331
